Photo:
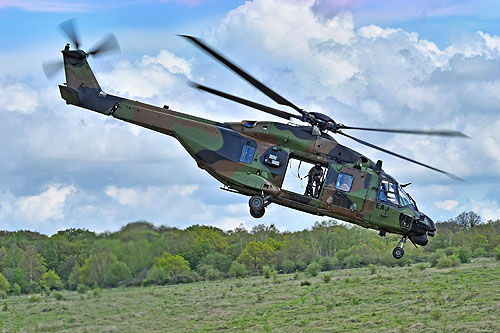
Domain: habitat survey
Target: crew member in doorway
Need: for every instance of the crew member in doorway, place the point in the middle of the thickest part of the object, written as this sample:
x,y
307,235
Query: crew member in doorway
x,y
314,178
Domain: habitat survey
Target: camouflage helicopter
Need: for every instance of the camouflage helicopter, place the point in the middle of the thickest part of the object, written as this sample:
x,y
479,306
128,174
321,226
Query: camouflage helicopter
x,y
251,157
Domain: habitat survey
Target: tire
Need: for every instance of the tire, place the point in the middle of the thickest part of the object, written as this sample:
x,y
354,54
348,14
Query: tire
x,y
257,213
256,203
398,252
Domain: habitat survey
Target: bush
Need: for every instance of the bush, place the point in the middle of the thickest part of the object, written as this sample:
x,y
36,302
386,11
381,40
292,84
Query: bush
x,y
372,269
267,271
313,269
326,278
326,263
58,295
50,281
353,261
464,254
82,289
288,266
4,284
213,274
448,261
3,294
16,289
480,252
497,252
421,266
237,270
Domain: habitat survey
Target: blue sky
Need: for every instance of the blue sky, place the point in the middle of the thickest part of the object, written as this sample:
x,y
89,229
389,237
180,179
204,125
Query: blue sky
x,y
368,63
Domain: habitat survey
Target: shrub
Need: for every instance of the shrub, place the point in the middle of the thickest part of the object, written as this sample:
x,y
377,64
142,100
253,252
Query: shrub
x,y
421,266
313,269
3,294
326,278
82,289
480,252
288,266
58,295
464,254
372,269
497,252
50,280
16,289
353,261
326,263
237,270
448,261
4,284
213,274
305,283
267,271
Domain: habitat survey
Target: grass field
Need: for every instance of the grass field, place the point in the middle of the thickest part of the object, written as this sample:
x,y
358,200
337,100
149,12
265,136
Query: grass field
x,y
466,298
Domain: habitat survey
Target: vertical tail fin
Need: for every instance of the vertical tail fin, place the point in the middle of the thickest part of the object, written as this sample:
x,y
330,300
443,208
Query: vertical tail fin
x,y
77,70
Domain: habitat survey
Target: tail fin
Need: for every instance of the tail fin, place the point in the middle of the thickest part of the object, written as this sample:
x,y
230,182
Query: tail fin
x,y
77,70
81,87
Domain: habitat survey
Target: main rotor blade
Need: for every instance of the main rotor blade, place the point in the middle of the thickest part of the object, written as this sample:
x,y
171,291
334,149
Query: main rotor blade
x,y
250,79
403,131
261,107
68,27
452,176
110,43
51,68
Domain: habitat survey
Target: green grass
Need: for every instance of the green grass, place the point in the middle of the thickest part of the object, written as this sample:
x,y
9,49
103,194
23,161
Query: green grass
x,y
466,298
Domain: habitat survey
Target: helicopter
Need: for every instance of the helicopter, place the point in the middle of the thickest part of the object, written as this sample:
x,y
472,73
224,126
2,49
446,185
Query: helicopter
x,y
251,157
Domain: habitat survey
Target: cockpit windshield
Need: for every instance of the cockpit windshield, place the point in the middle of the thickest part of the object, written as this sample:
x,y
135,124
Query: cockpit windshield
x,y
403,197
393,193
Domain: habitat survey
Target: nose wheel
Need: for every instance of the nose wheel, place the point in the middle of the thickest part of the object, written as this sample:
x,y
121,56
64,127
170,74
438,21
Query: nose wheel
x,y
258,205
398,251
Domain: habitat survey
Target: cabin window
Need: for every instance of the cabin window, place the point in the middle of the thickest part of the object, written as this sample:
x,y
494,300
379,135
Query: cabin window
x,y
344,182
388,192
247,154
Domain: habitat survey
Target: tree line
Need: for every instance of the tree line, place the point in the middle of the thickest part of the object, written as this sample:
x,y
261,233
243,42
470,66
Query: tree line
x,y
143,254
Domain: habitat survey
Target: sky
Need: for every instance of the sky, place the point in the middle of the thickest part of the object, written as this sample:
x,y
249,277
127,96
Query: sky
x,y
367,63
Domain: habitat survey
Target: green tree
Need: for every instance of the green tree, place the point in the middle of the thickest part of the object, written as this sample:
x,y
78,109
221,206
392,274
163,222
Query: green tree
x,y
172,265
256,255
4,284
50,280
32,265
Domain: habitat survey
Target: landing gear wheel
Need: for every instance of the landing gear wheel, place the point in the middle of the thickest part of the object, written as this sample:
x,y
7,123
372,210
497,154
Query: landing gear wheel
x,y
398,252
257,213
256,203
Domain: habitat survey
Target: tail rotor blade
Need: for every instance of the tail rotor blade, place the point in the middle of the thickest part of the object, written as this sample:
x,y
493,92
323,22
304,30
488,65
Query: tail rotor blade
x,y
68,27
452,176
51,68
108,44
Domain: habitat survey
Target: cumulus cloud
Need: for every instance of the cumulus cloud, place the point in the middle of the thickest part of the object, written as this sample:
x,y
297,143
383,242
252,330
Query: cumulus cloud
x,y
18,97
447,205
34,209
360,75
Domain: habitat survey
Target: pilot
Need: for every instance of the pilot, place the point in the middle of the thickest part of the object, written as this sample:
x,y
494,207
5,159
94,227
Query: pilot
x,y
314,181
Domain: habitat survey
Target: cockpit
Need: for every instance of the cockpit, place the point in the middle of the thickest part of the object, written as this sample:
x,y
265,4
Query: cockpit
x,y
391,192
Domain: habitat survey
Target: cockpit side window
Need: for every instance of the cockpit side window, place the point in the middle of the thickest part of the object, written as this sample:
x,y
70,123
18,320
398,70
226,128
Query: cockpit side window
x,y
388,192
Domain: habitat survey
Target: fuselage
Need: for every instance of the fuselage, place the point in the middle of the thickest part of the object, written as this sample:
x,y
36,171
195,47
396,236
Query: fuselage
x,y
251,157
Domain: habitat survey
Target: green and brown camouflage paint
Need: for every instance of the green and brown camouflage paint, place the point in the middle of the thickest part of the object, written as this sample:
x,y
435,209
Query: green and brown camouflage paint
x,y
217,148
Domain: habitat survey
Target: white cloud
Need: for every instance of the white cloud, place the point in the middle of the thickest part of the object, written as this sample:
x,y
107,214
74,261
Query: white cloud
x,y
18,97
35,209
150,196
447,205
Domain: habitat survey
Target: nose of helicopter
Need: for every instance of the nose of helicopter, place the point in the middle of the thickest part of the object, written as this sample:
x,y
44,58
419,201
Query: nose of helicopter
x,y
423,227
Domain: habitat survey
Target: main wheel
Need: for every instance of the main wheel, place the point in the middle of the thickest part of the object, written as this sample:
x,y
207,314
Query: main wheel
x,y
257,213
256,203
398,252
